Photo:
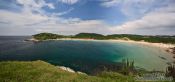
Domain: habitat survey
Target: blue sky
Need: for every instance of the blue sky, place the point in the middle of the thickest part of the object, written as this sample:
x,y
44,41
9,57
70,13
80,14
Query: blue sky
x,y
27,17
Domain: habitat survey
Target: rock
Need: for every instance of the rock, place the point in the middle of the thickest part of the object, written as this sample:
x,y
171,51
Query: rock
x,y
66,69
171,50
70,70
81,73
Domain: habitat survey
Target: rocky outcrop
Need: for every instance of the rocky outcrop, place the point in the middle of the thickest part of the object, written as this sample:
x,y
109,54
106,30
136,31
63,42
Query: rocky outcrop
x,y
70,70
66,69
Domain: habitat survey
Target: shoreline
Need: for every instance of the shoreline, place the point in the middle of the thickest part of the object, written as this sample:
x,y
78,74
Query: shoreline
x,y
170,48
70,70
159,45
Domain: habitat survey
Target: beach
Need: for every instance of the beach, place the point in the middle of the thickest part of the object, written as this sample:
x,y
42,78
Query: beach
x,y
167,47
170,48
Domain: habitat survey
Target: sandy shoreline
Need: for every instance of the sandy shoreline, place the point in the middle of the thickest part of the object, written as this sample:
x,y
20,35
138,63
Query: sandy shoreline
x,y
170,48
167,47
160,45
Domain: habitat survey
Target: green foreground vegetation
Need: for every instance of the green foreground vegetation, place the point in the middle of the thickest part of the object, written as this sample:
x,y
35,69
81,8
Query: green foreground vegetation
x,y
153,39
40,71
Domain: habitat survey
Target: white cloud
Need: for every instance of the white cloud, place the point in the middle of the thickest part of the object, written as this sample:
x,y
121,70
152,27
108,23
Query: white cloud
x,y
92,26
109,3
135,8
30,23
21,18
69,1
161,20
35,4
39,22
51,6
64,12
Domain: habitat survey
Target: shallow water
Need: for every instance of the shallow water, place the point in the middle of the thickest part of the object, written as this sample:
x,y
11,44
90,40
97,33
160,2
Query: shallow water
x,y
83,55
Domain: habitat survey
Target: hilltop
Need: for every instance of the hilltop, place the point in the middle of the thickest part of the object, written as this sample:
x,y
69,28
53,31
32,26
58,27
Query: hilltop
x,y
146,38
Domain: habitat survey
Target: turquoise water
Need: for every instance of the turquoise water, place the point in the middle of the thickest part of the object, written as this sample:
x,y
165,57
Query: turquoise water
x,y
83,55
147,57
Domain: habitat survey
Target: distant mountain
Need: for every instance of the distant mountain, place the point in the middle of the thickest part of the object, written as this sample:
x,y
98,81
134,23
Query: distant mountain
x,y
154,39
45,36
90,36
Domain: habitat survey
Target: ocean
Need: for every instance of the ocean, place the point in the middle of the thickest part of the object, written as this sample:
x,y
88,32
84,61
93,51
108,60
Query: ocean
x,y
83,56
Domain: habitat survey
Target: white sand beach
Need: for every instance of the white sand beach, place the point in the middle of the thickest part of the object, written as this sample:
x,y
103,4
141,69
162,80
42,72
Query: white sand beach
x,y
166,47
159,45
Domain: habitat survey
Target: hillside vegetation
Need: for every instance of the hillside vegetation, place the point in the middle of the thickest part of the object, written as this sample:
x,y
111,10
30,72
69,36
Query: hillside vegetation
x,y
40,71
90,36
46,36
154,39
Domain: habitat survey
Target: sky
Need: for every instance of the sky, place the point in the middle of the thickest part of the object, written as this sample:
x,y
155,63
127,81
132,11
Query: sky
x,y
69,17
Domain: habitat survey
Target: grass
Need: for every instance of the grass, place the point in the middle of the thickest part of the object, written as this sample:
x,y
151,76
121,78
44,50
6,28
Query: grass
x,y
40,71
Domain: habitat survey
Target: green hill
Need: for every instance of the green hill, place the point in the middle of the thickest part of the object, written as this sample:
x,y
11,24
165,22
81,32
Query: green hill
x,y
40,71
146,38
45,36
90,36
